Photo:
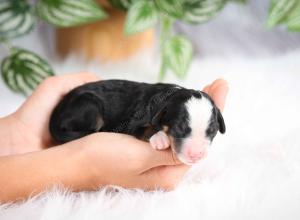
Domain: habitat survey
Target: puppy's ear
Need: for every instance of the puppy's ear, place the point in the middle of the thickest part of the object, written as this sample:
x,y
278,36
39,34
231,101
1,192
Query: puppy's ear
x,y
158,113
222,127
148,114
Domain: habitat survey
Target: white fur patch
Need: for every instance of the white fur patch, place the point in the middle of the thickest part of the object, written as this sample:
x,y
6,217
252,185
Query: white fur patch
x,y
200,111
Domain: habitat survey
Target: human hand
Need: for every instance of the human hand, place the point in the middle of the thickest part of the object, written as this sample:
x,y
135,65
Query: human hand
x,y
118,159
147,168
28,126
123,160
218,91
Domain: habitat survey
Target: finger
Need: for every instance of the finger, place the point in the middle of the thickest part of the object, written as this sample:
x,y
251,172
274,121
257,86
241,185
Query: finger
x,y
138,151
57,86
156,158
48,94
206,88
54,88
164,177
218,82
64,83
219,91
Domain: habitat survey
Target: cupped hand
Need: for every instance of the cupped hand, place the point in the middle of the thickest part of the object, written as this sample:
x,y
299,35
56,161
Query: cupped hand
x,y
30,122
108,158
118,159
122,160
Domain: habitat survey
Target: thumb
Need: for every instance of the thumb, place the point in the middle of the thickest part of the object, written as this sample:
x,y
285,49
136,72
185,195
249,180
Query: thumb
x,y
161,158
218,90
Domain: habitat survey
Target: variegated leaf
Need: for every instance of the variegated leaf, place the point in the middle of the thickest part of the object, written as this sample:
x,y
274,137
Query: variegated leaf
x,y
240,1
279,11
293,21
172,8
16,18
177,54
23,71
201,11
68,13
122,4
141,16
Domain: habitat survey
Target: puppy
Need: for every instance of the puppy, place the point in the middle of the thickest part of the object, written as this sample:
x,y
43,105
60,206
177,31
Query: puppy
x,y
163,114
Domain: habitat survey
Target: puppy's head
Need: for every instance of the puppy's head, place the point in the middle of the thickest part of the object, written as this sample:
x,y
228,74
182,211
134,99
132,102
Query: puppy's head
x,y
193,121
204,120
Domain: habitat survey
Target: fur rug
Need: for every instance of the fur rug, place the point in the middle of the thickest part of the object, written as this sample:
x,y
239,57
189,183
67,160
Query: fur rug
x,y
251,172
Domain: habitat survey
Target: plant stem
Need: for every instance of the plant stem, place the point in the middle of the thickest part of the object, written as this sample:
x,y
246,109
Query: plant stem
x,y
165,33
7,45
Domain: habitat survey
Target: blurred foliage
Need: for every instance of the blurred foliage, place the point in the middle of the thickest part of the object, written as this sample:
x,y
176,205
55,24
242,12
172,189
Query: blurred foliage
x,y
23,70
285,12
17,18
68,13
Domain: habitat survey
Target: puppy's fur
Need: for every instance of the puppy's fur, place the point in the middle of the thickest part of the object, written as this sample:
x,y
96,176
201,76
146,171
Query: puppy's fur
x,y
133,108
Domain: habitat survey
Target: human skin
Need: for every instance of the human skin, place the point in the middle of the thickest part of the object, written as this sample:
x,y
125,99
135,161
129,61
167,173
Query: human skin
x,y
28,164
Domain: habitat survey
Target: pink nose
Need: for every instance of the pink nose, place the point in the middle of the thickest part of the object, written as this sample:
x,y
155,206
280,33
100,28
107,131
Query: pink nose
x,y
195,153
194,150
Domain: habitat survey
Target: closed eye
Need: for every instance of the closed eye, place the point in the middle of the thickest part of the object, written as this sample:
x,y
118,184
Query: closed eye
x,y
210,130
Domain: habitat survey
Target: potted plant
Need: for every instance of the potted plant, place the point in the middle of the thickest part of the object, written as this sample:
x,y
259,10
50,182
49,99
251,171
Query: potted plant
x,y
103,40
23,70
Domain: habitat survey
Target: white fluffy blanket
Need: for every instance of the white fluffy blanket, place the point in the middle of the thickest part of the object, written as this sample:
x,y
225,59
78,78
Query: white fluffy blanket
x,y
251,172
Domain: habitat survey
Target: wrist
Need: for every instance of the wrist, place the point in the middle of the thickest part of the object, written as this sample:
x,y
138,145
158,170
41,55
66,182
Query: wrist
x,y
15,138
79,171
8,142
29,174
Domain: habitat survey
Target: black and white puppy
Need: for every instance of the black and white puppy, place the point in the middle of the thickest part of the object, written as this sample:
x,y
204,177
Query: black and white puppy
x,y
163,114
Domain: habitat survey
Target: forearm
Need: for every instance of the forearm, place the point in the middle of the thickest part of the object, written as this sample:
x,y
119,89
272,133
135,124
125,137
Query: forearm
x,y
15,138
28,174
7,142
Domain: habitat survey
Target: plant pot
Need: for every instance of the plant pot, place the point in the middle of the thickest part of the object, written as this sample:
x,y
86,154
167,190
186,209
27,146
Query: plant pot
x,y
103,40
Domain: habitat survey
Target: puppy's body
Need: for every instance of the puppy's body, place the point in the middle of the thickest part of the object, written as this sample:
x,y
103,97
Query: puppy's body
x,y
146,111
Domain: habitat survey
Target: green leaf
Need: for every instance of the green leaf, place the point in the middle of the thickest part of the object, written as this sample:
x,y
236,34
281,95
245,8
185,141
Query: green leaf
x,y
177,54
16,18
141,16
23,70
172,8
279,11
239,1
121,4
293,21
68,13
201,11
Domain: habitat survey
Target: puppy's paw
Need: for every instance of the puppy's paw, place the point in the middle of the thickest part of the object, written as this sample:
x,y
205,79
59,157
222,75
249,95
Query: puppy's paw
x,y
160,141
